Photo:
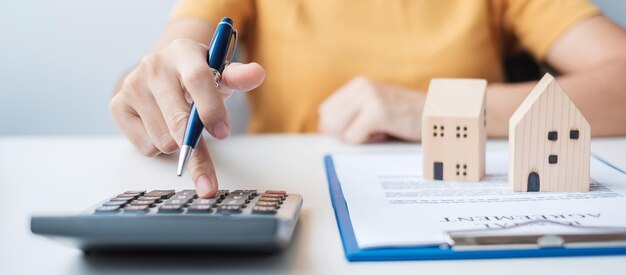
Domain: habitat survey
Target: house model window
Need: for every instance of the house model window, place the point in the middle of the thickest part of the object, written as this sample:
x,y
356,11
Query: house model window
x,y
453,130
553,135
556,164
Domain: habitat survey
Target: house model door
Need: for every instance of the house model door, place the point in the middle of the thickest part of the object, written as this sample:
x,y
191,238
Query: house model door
x,y
438,170
533,182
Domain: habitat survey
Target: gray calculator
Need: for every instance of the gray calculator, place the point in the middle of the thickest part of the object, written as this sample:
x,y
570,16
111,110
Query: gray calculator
x,y
164,220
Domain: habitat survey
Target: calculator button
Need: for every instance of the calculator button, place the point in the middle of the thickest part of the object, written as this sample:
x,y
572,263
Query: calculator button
x,y
199,208
132,209
143,202
204,202
252,192
185,198
164,194
152,198
173,208
131,196
108,209
229,209
237,197
175,202
221,194
267,203
277,200
190,193
232,201
121,199
139,192
264,210
244,193
273,196
276,192
114,203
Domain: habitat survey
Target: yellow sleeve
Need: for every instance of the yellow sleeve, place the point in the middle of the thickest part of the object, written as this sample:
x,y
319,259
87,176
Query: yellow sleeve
x,y
240,11
537,24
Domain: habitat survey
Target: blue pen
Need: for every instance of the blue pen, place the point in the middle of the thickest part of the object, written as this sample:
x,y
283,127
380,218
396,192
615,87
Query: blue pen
x,y
217,57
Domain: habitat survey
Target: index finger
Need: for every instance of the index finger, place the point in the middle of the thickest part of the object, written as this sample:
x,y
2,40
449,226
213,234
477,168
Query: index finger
x,y
197,79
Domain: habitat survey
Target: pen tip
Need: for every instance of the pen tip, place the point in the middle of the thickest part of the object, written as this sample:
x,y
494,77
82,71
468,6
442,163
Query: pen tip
x,y
185,155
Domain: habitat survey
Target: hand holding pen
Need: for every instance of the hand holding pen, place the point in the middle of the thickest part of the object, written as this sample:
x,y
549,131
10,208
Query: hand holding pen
x,y
152,110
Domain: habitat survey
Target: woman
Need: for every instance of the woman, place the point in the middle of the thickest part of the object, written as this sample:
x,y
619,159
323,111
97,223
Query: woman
x,y
359,70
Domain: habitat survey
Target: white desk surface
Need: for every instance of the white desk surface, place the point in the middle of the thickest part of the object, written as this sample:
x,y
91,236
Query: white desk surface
x,y
61,174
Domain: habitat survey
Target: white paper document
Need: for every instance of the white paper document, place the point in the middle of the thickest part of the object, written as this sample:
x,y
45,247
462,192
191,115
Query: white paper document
x,y
391,205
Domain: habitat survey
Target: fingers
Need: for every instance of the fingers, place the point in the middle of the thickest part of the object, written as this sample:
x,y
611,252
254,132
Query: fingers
x,y
362,129
197,79
130,124
339,110
202,171
356,122
152,104
350,112
366,111
172,105
377,137
156,127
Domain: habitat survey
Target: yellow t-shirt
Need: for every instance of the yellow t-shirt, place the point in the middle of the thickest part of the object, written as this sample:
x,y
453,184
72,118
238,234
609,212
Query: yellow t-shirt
x,y
309,48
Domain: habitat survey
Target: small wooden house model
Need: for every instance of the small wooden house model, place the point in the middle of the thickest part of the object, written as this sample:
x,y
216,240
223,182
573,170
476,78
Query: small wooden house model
x,y
548,142
454,130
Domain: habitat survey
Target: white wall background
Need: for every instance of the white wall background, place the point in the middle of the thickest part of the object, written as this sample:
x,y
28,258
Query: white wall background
x,y
59,60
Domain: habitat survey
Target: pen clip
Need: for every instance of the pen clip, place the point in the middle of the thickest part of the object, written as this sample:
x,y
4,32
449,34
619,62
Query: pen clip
x,y
231,51
217,77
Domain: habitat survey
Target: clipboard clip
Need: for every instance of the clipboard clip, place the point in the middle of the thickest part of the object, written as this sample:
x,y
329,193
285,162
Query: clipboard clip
x,y
570,236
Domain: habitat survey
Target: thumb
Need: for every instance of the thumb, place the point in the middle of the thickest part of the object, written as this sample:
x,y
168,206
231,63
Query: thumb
x,y
202,171
241,77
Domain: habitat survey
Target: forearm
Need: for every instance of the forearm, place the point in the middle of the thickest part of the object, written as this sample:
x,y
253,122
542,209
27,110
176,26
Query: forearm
x,y
599,92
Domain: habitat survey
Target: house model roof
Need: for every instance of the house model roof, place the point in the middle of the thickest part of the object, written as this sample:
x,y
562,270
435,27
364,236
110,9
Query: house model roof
x,y
549,91
455,97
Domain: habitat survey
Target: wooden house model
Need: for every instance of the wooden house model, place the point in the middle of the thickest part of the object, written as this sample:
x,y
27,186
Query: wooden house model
x,y
549,141
454,130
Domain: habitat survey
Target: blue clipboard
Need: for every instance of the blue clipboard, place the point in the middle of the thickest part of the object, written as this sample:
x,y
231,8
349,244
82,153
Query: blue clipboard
x,y
354,253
